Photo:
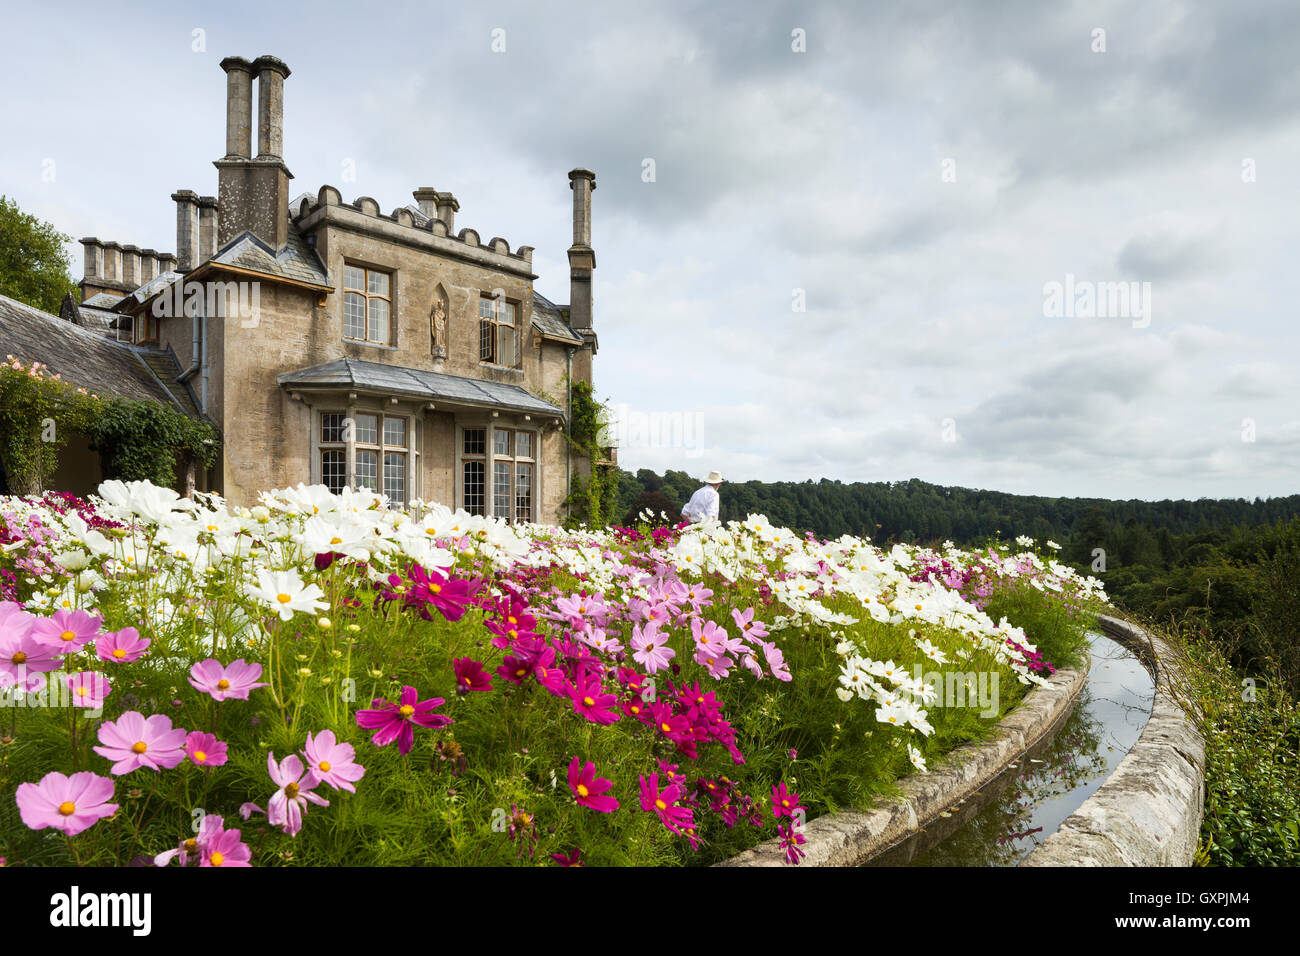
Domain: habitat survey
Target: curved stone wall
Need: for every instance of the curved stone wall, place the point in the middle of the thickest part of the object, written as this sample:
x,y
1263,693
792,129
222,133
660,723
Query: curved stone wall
x,y
1148,812
851,837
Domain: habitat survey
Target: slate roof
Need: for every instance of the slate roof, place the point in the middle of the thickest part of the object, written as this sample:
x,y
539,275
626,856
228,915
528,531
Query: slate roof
x,y
102,300
551,319
432,386
295,261
88,359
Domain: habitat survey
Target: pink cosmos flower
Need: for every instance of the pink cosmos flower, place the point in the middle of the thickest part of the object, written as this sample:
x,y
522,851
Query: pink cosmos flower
x,y
784,802
332,762
134,741
650,648
749,628
397,721
205,750
570,859
590,700
191,846
470,675
121,647
70,804
22,656
791,839
653,800
515,669
587,787
66,631
710,639
288,804
225,848
89,688
776,661
223,683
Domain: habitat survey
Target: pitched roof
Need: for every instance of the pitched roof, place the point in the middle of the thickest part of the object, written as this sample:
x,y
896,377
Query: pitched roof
x,y
84,358
432,386
295,261
551,319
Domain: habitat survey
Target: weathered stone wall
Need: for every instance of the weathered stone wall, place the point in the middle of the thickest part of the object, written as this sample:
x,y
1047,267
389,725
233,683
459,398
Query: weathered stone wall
x,y
1149,810
852,837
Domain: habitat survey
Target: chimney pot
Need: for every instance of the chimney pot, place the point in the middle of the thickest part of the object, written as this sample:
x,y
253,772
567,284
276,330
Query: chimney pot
x,y
207,228
239,107
447,209
271,74
427,198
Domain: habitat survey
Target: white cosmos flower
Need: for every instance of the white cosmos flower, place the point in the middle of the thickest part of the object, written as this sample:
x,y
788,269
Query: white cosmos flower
x,y
284,592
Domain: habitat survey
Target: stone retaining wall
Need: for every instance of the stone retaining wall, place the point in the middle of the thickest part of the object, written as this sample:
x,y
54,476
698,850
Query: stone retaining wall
x,y
851,837
1148,812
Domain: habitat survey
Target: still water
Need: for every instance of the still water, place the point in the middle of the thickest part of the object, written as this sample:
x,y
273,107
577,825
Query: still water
x,y
1014,813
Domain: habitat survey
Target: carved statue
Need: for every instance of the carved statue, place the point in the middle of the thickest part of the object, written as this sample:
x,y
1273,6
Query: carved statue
x,y
438,324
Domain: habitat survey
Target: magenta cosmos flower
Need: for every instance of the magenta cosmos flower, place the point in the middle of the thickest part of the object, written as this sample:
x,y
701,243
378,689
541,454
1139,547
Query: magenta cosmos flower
x,y
397,721
70,804
193,846
659,802
136,741
332,762
587,787
88,689
205,750
66,631
225,848
784,802
470,675
233,681
591,701
122,647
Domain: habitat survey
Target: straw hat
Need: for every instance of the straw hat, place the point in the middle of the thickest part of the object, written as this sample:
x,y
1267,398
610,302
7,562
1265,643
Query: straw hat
x,y
715,478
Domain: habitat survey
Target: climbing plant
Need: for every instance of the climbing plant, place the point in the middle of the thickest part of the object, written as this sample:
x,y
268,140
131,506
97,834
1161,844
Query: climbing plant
x,y
136,440
593,498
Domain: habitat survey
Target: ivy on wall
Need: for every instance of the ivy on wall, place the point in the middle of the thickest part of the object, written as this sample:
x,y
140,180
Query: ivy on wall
x,y
137,440
593,499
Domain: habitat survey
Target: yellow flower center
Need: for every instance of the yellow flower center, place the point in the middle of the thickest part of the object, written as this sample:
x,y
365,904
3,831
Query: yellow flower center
x,y
661,805
582,790
223,684
119,653
283,598
68,636
325,766
200,756
19,658
139,747
217,859
291,790
191,845
521,672
406,710
665,727
636,708
336,540
82,691
589,702
513,633
67,808
512,620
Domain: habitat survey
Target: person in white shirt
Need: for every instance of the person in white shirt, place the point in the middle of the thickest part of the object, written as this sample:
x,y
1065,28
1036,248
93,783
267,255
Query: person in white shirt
x,y
704,503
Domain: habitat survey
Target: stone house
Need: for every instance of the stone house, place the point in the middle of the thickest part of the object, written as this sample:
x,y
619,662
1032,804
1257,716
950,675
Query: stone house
x,y
332,343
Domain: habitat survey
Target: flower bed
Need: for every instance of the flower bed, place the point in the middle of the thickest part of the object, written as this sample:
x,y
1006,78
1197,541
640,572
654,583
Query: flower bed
x,y
321,680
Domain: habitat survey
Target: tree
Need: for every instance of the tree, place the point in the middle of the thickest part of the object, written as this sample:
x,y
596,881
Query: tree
x,y
33,263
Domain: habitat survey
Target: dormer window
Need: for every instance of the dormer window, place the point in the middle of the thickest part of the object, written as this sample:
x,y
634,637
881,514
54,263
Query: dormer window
x,y
498,340
367,305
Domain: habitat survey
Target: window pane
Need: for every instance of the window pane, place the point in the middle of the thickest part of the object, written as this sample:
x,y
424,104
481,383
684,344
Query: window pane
x,y
507,313
333,470
473,487
331,427
524,444
367,430
485,310
354,278
475,441
501,489
395,432
378,283
367,465
485,339
506,345
500,442
523,492
378,321
395,478
354,316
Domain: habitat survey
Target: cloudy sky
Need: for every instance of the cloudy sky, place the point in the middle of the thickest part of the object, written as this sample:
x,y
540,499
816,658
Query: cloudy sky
x,y
826,235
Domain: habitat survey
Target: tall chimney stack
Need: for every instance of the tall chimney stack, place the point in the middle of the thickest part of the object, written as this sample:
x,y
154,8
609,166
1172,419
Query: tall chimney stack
x,y
253,192
427,197
187,229
447,209
582,259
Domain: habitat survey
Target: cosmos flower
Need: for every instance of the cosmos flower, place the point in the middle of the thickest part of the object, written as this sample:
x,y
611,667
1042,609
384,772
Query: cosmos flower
x,y
134,741
204,750
588,788
332,762
70,804
121,647
228,682
398,721
470,675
